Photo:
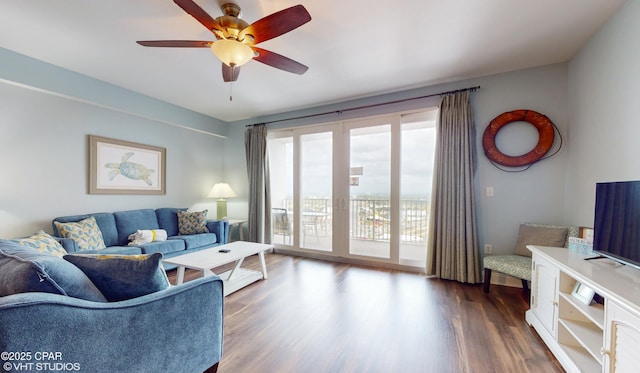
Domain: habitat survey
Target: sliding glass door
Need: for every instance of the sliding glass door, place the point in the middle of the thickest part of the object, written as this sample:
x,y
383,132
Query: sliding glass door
x,y
301,167
417,151
357,189
370,189
316,185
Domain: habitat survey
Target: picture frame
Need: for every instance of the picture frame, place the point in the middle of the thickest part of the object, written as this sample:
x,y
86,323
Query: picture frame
x,y
586,233
583,293
124,167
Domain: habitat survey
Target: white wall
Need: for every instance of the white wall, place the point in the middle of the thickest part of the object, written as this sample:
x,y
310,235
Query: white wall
x,y
44,128
604,80
535,195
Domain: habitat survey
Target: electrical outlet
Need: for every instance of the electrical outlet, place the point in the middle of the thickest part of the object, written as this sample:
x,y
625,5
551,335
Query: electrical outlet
x,y
488,248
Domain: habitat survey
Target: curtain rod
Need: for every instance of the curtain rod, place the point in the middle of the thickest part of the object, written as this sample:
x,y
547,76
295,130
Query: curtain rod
x,y
369,106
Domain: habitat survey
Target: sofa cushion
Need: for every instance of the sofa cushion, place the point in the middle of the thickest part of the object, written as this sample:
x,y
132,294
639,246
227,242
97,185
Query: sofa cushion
x,y
23,270
168,219
128,222
122,277
197,240
163,247
86,233
44,243
529,234
105,220
190,222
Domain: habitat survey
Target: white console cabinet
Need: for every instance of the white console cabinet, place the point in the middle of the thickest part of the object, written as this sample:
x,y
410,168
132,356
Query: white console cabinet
x,y
586,338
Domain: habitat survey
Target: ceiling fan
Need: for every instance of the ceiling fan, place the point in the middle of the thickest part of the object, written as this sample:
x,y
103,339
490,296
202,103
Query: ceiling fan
x,y
236,39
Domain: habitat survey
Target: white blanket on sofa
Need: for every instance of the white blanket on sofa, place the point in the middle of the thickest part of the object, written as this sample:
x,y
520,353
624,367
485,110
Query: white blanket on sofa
x,y
147,235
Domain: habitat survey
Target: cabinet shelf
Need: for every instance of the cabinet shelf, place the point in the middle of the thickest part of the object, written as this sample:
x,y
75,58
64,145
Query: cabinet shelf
x,y
594,312
585,334
581,359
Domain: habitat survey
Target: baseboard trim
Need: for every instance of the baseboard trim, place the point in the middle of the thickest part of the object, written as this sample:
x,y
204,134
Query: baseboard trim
x,y
339,259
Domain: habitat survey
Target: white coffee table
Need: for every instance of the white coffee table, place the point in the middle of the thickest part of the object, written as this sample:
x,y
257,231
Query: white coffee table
x,y
207,259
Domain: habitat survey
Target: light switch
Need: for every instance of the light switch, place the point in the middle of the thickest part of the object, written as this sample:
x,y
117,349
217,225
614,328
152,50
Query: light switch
x,y
489,191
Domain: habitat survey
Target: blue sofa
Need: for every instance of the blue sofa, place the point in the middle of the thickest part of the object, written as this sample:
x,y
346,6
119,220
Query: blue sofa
x,y
117,226
55,317
174,330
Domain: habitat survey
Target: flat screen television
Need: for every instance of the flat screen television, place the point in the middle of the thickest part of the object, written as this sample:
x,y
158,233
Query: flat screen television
x,y
616,227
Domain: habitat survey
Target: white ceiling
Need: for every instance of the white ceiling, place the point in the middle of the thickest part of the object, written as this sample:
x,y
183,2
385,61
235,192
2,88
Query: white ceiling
x,y
354,48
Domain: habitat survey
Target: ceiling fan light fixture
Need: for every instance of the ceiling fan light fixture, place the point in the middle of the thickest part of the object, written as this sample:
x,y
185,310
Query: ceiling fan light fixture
x,y
231,52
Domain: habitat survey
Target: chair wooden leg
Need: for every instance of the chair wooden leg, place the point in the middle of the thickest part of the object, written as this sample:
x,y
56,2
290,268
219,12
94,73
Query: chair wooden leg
x,y
213,368
525,285
487,280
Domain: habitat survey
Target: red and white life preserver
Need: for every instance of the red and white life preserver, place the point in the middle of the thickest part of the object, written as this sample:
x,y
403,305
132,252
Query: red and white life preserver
x,y
546,131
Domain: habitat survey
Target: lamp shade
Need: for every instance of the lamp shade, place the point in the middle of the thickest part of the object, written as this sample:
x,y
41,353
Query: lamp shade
x,y
221,190
231,52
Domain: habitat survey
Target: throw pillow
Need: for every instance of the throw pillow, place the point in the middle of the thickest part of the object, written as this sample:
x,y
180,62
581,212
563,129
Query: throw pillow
x,y
122,277
539,235
192,222
44,243
86,233
24,270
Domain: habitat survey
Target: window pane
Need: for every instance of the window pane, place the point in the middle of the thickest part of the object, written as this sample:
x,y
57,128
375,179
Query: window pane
x,y
281,172
417,157
316,188
370,195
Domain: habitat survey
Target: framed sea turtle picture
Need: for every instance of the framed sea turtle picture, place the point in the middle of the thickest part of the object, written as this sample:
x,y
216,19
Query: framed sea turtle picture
x,y
123,167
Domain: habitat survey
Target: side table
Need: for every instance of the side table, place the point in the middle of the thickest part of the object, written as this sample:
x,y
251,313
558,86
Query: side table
x,y
239,223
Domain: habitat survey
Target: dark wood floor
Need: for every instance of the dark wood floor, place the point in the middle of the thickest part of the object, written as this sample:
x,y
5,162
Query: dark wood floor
x,y
314,316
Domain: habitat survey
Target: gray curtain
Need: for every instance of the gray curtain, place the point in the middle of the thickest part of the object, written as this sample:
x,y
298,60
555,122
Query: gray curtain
x,y
259,221
452,251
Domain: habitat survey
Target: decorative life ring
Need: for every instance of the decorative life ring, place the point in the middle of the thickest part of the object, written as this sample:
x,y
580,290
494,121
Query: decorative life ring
x,y
546,131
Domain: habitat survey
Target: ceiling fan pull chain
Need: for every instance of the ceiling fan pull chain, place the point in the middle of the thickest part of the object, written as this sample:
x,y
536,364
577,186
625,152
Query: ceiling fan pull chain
x,y
230,91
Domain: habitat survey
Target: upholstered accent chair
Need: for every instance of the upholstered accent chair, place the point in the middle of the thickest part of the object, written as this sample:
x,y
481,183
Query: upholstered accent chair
x,y
518,264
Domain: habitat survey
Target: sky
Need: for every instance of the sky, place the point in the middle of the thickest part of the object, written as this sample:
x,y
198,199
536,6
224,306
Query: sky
x,y
370,149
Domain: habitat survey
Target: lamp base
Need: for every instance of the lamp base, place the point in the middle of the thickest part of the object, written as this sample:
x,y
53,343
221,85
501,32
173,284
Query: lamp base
x,y
222,209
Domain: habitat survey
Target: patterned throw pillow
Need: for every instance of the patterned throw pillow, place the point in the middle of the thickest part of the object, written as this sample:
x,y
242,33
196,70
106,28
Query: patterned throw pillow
x,y
192,222
44,243
122,277
85,233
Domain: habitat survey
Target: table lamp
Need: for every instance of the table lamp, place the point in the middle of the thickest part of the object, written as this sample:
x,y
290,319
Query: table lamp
x,y
221,191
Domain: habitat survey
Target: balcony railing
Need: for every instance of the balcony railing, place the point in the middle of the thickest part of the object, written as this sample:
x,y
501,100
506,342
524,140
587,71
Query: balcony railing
x,y
370,218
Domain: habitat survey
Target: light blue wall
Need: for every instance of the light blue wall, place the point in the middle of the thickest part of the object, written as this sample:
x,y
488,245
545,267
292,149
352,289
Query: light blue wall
x,y
46,114
43,147
604,81
535,195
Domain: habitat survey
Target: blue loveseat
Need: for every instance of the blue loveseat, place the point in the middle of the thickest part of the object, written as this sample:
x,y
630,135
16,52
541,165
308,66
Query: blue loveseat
x,y
56,316
116,227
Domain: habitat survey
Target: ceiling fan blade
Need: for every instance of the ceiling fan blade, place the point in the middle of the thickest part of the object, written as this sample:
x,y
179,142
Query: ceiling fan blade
x,y
176,43
279,62
276,24
230,74
199,14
